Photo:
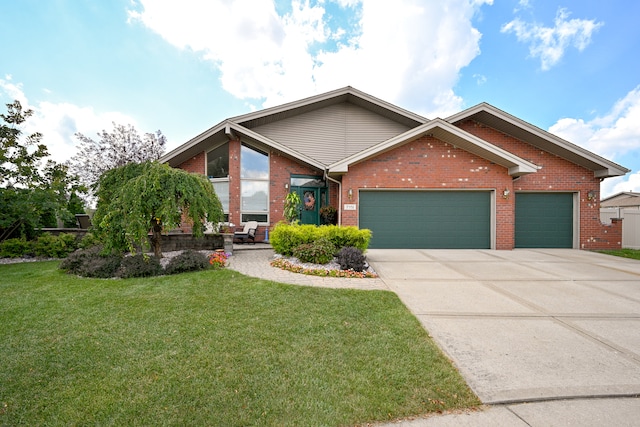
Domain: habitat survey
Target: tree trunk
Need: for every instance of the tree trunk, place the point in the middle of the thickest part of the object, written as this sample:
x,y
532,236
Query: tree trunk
x,y
156,238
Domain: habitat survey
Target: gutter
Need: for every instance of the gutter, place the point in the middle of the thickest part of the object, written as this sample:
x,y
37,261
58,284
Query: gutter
x,y
326,176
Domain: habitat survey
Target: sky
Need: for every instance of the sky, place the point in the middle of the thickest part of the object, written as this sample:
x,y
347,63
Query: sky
x,y
571,67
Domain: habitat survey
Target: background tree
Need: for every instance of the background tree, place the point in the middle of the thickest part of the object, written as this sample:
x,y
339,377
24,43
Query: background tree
x,y
137,198
32,195
114,149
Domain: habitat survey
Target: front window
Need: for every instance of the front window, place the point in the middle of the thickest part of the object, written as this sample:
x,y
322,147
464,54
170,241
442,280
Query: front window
x,y
218,173
254,178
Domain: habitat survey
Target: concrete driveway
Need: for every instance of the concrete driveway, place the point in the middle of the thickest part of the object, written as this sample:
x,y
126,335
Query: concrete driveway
x,y
526,325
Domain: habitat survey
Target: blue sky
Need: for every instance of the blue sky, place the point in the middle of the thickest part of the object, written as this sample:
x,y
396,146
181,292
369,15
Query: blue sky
x,y
571,67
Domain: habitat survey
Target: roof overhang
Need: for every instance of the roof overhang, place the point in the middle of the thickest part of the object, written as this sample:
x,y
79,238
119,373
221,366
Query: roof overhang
x,y
450,134
506,123
223,132
346,94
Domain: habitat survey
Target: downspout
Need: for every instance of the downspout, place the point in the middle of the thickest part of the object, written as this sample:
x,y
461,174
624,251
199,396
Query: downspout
x,y
326,176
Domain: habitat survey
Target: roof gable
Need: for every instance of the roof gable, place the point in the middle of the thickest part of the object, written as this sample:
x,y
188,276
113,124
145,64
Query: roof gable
x,y
451,134
506,123
628,198
332,133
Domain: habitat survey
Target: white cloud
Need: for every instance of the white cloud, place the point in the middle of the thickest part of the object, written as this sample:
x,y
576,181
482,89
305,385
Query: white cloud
x,y
408,51
59,122
615,136
550,43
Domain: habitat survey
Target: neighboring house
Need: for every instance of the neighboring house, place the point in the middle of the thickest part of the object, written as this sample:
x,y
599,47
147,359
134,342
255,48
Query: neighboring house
x,y
481,178
624,206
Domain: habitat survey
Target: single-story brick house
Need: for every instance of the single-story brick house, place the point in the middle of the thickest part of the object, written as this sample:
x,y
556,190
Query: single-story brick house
x,y
481,178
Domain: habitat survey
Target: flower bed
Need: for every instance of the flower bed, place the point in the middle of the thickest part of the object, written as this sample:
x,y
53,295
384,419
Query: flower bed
x,y
324,270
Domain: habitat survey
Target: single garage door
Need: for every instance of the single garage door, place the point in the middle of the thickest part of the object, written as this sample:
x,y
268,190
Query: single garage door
x,y
427,219
544,220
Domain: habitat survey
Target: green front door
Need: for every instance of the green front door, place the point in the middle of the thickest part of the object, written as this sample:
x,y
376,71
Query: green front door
x,y
544,220
310,206
427,219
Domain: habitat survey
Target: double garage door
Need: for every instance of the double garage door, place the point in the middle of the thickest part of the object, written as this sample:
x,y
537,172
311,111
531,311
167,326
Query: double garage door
x,y
462,219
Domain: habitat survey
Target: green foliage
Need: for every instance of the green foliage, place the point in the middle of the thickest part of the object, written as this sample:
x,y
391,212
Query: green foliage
x,y
138,197
139,265
292,207
91,263
75,206
318,252
32,195
351,258
285,237
16,248
46,246
89,240
348,236
187,261
329,215
50,246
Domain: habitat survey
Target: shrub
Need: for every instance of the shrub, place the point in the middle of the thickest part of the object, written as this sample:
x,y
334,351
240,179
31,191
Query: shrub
x,y
187,261
351,258
91,263
89,240
319,252
347,236
139,265
286,237
50,246
15,248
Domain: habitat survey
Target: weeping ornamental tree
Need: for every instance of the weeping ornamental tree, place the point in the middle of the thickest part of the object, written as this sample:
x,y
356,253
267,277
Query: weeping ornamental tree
x,y
139,198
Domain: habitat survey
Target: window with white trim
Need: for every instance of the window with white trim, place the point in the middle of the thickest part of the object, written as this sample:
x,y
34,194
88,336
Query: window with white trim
x,y
218,173
254,185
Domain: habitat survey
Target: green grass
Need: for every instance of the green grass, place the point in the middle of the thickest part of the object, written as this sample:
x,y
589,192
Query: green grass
x,y
625,253
211,348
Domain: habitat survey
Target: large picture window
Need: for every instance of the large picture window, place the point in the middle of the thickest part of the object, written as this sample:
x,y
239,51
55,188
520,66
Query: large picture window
x,y
254,178
218,173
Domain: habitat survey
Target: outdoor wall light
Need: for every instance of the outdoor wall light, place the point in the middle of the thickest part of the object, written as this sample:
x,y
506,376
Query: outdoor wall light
x,y
591,196
286,186
505,193
350,194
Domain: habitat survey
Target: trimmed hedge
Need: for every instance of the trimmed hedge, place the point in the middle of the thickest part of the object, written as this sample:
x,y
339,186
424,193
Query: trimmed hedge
x,y
46,246
286,237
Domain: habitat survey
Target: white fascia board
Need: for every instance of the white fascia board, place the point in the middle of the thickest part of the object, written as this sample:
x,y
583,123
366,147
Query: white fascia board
x,y
348,90
516,165
192,142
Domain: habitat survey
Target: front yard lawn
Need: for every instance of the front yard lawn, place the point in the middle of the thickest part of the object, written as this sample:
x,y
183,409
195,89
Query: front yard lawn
x,y
625,253
211,348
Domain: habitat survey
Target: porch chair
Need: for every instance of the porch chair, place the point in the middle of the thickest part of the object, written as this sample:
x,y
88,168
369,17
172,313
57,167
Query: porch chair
x,y
247,233
84,222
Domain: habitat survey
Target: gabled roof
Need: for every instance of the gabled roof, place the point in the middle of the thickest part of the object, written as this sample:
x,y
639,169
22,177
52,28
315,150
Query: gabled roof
x,y
504,122
263,127
451,134
244,124
346,94
627,198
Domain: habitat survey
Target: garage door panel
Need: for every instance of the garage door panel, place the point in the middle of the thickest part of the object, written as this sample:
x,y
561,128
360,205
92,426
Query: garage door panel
x,y
427,219
544,220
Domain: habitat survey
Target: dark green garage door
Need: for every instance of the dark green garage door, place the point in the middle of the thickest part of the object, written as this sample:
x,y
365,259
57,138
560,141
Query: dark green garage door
x,y
427,219
544,220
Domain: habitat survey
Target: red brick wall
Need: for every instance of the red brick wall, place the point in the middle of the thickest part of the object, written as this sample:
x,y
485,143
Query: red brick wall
x,y
557,174
429,163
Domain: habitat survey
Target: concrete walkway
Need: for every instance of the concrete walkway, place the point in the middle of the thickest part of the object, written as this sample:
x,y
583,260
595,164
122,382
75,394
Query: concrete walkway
x,y
543,337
